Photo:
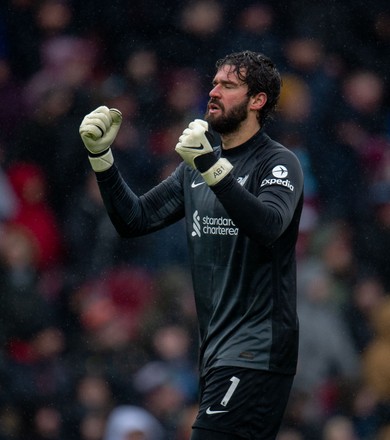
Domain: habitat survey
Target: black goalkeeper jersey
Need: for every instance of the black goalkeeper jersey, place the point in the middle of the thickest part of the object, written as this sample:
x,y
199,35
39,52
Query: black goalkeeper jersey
x,y
241,235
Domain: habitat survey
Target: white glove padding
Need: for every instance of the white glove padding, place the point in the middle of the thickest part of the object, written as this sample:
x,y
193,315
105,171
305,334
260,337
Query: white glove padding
x,y
193,142
98,130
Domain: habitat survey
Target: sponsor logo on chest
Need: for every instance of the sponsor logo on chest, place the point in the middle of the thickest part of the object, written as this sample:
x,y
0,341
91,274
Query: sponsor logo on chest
x,y
206,225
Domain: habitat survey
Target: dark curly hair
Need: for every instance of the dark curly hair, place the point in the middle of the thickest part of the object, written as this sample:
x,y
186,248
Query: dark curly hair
x,y
260,74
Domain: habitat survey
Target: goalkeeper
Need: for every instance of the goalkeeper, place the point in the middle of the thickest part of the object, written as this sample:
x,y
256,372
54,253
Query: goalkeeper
x,y
242,203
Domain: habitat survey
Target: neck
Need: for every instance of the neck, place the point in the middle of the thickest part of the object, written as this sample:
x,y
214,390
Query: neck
x,y
244,132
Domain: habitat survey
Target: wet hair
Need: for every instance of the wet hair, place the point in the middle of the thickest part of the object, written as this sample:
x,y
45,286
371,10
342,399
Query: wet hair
x,y
260,74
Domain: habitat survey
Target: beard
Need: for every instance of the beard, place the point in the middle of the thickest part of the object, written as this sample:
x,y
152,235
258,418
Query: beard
x,y
228,122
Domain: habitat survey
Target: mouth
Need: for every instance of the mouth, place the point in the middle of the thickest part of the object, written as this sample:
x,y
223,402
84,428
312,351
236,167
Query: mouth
x,y
213,108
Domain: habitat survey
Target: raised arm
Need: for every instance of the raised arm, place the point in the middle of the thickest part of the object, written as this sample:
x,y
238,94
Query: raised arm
x,y
131,215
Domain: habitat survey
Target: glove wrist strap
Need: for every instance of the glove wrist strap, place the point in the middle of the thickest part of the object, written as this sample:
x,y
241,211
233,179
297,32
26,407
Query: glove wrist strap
x,y
102,162
203,162
217,172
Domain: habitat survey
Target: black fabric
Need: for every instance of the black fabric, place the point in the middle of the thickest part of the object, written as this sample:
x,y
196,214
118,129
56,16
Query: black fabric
x,y
205,434
102,153
205,161
243,403
241,235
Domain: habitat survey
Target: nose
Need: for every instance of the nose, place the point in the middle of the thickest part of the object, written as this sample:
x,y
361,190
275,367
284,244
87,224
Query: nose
x,y
215,92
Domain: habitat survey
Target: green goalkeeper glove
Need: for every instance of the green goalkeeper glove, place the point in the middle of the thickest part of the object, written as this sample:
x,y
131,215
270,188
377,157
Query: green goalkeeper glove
x,y
98,130
195,149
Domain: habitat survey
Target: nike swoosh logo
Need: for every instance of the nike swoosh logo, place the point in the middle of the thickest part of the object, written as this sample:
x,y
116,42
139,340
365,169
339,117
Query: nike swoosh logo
x,y
194,184
210,411
193,147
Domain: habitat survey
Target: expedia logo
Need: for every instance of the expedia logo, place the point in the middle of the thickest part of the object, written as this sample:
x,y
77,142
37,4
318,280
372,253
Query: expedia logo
x,y
280,173
281,182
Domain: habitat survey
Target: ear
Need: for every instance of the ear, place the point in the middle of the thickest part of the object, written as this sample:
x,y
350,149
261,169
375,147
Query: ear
x,y
258,101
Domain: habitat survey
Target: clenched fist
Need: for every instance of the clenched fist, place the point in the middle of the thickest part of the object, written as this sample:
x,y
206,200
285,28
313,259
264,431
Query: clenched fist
x,y
195,149
98,130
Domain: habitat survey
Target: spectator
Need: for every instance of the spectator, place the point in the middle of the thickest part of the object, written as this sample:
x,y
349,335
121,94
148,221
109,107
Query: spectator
x,y
373,237
8,201
92,402
93,426
12,111
58,57
367,295
133,423
196,24
35,213
360,121
289,434
339,428
87,254
325,343
255,26
141,75
161,394
24,310
36,372
375,357
47,423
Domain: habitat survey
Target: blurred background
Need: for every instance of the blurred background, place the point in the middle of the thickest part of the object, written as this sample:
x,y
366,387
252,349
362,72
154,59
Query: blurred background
x,y
98,334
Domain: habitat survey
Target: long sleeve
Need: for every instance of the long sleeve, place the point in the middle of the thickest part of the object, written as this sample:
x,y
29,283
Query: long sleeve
x,y
265,215
134,215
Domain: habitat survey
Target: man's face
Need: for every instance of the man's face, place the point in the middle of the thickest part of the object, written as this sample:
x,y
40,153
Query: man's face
x,y
228,104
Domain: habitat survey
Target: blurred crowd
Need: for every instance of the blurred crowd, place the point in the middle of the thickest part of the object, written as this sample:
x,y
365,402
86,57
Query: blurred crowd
x,y
98,334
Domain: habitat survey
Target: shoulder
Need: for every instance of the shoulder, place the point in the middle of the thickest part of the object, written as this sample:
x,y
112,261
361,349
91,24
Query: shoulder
x,y
278,152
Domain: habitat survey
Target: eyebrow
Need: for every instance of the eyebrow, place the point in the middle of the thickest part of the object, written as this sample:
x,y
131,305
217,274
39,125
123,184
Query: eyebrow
x,y
225,82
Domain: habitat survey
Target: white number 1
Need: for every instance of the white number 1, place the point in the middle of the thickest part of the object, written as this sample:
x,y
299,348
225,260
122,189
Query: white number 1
x,y
234,380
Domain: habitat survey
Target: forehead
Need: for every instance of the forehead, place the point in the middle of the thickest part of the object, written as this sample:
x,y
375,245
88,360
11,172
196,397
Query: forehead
x,y
228,72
